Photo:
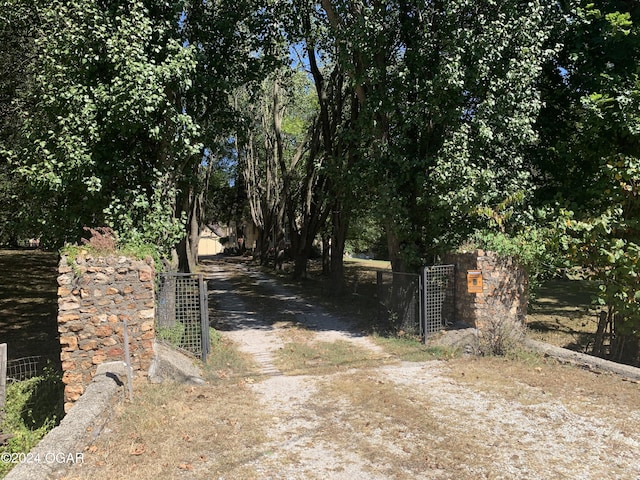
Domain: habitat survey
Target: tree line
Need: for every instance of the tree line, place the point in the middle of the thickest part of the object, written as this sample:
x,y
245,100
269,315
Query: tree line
x,y
433,125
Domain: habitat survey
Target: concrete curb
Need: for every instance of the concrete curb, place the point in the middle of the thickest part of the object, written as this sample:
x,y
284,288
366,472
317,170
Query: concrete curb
x,y
583,360
65,444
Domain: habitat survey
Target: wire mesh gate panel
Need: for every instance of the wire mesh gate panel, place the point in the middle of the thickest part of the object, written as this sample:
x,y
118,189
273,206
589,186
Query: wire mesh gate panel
x,y
182,313
438,297
24,368
399,301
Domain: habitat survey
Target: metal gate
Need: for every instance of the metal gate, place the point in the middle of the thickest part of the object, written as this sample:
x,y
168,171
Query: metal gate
x,y
418,304
182,313
399,301
438,297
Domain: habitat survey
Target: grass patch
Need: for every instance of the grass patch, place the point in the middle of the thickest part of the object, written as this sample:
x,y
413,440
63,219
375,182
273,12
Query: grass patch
x,y
320,358
411,350
563,314
32,408
174,431
172,335
529,377
29,304
225,362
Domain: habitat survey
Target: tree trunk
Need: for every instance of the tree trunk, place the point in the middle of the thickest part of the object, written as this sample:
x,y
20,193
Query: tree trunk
x,y
338,239
326,254
300,260
603,322
393,244
188,247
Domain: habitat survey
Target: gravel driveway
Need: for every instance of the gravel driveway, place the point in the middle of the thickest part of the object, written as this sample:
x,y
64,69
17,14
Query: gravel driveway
x,y
435,423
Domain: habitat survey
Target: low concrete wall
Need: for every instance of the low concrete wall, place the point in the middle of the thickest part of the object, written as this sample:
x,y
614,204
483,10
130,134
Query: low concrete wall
x,y
583,360
64,445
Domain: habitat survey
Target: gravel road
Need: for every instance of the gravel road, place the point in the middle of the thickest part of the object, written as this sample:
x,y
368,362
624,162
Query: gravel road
x,y
456,431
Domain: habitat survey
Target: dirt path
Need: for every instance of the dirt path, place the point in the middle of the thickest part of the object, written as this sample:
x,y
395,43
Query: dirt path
x,y
253,314
255,328
409,420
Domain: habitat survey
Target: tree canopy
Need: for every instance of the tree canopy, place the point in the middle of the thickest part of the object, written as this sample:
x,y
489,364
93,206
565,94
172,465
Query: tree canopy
x,y
435,122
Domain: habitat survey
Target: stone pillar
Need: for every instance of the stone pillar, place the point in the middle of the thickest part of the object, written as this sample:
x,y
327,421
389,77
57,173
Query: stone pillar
x,y
95,296
504,294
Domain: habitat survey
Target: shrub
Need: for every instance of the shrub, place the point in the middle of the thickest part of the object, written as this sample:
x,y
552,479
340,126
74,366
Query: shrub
x,y
33,407
501,336
102,241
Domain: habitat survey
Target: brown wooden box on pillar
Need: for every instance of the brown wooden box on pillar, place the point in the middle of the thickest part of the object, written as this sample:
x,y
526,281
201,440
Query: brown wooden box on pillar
x,y
474,281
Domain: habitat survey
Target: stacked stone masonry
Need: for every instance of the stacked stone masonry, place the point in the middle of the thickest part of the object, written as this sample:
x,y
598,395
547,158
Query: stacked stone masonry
x,y
95,297
504,291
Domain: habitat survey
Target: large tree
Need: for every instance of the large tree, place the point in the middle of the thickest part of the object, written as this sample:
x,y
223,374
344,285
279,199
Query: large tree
x,y
589,158
447,98
125,107
101,128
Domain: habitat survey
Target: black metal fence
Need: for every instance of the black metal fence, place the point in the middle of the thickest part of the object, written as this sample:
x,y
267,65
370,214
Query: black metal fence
x,y
399,301
417,304
182,313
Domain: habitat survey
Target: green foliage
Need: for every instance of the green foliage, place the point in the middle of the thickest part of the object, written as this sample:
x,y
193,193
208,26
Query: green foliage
x,y
121,102
450,101
103,242
608,246
364,236
172,335
533,248
140,220
101,112
33,407
590,151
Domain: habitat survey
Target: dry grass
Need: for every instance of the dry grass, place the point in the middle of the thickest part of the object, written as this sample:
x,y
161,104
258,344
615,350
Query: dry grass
x,y
412,350
532,378
226,362
374,415
393,430
340,406
396,430
319,358
562,314
170,431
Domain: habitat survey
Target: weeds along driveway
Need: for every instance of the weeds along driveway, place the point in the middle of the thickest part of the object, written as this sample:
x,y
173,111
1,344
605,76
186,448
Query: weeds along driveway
x,y
322,401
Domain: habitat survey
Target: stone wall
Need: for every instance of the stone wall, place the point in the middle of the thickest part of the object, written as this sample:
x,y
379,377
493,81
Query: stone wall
x,y
95,296
504,292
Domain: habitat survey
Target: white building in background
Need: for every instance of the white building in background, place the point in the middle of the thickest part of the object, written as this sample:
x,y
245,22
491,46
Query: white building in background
x,y
216,239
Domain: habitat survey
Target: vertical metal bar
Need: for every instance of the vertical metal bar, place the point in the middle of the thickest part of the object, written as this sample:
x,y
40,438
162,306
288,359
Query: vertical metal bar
x,y
207,324
127,358
421,320
3,377
454,293
204,322
381,299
